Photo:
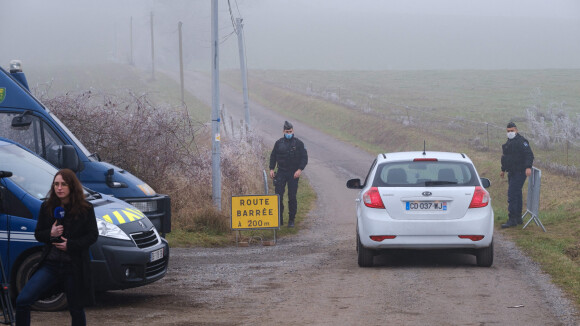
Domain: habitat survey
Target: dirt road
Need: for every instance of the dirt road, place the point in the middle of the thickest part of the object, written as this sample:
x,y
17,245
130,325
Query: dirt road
x,y
313,278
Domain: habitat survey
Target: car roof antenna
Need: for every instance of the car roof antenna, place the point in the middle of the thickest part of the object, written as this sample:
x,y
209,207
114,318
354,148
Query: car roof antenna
x,y
424,147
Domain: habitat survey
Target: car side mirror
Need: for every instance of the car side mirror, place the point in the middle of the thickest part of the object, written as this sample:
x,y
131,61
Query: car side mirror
x,y
64,157
353,184
485,182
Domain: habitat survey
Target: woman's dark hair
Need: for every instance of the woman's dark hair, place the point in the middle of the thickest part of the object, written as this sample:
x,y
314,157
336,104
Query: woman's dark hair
x,y
77,203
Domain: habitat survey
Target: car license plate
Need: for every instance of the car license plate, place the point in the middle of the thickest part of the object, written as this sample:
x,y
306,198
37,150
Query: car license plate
x,y
426,206
156,255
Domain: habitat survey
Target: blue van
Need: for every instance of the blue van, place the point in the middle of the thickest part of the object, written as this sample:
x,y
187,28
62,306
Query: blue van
x,y
27,121
128,253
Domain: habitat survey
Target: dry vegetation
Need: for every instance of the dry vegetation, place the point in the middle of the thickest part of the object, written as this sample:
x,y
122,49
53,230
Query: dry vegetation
x,y
165,148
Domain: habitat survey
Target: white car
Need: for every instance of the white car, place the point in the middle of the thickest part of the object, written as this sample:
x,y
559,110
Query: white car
x,y
423,200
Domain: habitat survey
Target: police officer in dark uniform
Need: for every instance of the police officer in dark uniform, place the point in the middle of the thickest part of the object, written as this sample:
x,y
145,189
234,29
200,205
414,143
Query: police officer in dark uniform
x,y
291,157
516,160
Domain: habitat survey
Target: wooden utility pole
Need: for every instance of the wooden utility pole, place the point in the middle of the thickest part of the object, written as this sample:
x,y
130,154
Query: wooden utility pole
x,y
152,50
239,28
131,62
181,63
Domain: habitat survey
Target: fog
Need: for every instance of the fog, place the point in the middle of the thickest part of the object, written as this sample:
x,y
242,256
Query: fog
x,y
298,34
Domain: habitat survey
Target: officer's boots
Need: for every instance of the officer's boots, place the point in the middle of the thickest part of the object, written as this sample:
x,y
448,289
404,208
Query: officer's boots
x,y
512,221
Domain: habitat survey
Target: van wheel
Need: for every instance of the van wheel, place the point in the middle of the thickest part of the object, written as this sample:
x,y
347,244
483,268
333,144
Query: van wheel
x,y
484,256
366,257
23,274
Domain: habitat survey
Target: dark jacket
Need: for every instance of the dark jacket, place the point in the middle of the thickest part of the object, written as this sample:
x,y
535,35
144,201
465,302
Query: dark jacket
x,y
289,154
81,232
516,155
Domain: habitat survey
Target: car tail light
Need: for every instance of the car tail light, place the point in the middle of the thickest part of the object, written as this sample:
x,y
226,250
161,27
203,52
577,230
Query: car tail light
x,y
472,237
380,238
372,198
480,198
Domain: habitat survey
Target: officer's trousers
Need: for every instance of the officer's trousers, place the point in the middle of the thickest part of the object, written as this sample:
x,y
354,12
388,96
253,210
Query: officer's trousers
x,y
515,184
283,178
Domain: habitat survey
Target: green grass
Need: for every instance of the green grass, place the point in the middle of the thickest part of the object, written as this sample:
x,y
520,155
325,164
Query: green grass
x,y
496,95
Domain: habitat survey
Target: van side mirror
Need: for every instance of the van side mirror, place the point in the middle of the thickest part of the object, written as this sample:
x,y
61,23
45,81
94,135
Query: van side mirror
x,y
64,157
485,182
22,120
111,183
353,184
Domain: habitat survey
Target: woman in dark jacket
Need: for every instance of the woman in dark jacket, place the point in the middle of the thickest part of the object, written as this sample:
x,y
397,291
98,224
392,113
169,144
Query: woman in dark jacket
x,y
67,226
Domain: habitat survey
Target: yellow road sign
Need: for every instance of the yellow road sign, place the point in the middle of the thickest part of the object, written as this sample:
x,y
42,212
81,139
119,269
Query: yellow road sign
x,y
255,212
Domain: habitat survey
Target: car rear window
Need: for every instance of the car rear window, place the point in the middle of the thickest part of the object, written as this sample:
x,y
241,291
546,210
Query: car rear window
x,y
425,174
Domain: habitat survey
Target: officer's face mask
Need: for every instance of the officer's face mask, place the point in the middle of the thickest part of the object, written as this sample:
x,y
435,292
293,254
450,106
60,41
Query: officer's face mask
x,y
511,134
288,133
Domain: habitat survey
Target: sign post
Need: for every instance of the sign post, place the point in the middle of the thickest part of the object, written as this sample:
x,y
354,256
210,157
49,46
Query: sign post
x,y
253,212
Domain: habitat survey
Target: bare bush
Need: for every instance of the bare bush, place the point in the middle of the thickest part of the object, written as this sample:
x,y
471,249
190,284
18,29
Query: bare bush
x,y
157,145
131,132
550,124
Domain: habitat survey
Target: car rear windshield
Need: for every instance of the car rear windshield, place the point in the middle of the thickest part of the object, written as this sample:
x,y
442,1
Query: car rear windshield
x,y
425,174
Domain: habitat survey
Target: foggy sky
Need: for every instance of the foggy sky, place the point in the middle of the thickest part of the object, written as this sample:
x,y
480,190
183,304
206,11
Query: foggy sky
x,y
300,34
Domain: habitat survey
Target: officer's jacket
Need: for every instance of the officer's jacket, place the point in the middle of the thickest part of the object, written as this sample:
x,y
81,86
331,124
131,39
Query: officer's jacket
x,y
517,154
290,154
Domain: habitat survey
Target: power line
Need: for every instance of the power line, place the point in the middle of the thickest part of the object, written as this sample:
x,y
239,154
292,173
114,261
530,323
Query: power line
x,y
232,16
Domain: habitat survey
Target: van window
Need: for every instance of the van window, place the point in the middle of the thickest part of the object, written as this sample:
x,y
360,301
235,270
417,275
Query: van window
x,y
39,137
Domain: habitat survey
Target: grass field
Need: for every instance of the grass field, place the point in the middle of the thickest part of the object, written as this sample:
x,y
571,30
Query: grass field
x,y
493,97
469,105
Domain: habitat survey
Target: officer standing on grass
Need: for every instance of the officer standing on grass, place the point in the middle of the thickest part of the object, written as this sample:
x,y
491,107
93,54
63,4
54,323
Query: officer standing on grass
x,y
517,159
291,157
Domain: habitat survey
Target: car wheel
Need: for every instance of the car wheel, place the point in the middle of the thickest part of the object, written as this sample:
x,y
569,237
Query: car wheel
x,y
484,256
366,256
23,274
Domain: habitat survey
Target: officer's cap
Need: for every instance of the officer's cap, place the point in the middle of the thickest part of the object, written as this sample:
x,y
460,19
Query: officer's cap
x,y
511,125
288,125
